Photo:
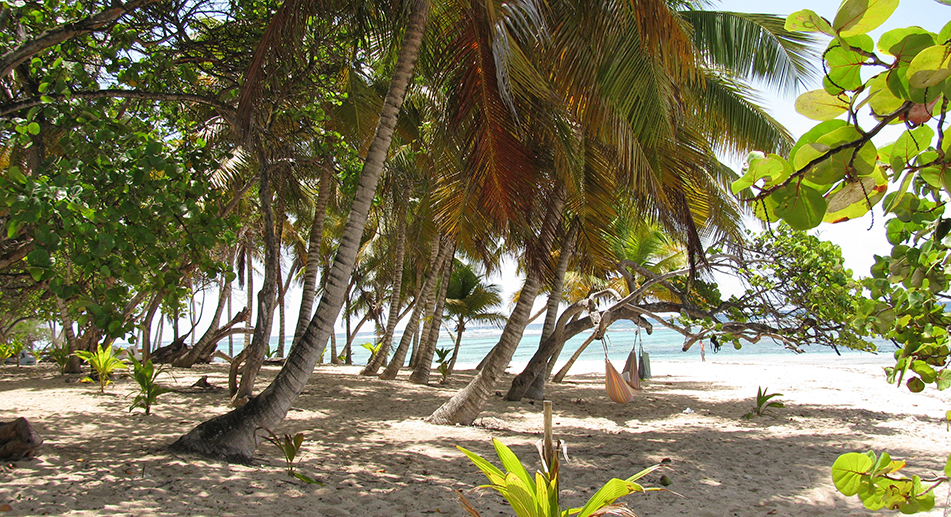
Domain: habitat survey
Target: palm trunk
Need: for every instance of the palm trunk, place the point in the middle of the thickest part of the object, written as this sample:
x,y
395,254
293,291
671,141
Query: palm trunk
x,y
312,265
427,347
460,328
466,405
437,256
147,324
197,351
268,294
379,359
548,349
235,435
74,363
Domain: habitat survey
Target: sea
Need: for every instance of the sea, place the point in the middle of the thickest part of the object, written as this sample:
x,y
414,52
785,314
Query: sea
x,y
661,346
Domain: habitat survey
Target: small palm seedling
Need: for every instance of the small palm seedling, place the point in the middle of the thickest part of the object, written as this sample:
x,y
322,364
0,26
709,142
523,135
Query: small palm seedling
x,y
289,447
442,357
59,355
373,349
763,403
145,374
11,349
103,363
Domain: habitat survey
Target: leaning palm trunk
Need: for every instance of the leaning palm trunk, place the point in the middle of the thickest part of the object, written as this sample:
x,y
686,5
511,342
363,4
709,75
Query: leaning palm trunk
x,y
537,389
312,266
393,317
234,436
437,256
466,405
427,348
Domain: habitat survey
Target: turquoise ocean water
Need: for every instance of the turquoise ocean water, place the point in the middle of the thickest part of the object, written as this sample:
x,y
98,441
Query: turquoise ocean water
x,y
663,345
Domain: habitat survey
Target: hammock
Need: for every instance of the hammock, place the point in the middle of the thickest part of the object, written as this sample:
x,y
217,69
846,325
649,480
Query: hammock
x,y
619,389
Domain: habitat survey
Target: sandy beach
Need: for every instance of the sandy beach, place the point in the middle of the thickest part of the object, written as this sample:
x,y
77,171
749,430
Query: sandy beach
x,y
367,442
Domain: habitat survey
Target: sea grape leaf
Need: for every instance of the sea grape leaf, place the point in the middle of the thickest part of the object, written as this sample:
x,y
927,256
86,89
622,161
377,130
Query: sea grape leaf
x,y
861,16
861,161
765,209
820,105
853,199
943,381
774,169
908,145
880,97
848,470
813,135
927,373
905,43
845,64
801,206
930,67
808,21
915,385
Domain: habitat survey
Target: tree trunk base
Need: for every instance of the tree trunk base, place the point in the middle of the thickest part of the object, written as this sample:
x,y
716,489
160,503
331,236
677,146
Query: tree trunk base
x,y
18,440
221,438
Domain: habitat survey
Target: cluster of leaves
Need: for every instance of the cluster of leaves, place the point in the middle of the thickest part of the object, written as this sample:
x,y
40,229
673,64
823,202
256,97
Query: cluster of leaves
x,y
797,292
538,496
873,479
835,172
103,362
145,374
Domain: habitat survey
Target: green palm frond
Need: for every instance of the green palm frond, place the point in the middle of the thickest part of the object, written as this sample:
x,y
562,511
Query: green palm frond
x,y
754,46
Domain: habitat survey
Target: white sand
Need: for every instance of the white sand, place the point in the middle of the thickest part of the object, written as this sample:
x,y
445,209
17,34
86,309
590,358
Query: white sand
x,y
365,439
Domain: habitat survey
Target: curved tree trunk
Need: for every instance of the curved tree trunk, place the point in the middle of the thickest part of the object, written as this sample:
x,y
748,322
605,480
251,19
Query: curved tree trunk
x,y
460,328
73,365
234,436
192,356
427,347
537,389
312,266
466,405
392,318
268,294
437,255
147,325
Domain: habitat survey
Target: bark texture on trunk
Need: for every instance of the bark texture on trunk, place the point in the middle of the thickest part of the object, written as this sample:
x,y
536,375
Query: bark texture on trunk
x,y
427,347
466,405
268,294
312,267
437,256
234,435
393,317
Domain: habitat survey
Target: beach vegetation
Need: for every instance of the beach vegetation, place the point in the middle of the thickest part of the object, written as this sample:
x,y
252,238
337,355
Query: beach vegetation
x,y
538,495
763,403
103,363
875,480
145,374
58,354
839,171
289,447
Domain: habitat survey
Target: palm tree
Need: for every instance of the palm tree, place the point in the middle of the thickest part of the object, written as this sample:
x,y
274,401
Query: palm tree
x,y
470,300
233,435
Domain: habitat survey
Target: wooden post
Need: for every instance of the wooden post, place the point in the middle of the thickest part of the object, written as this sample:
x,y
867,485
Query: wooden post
x,y
548,448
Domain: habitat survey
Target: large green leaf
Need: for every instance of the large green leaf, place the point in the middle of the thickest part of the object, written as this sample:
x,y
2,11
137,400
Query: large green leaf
x,y
494,475
880,97
848,470
808,21
511,463
802,207
905,43
820,105
861,16
611,490
815,134
908,145
774,169
930,67
853,199
845,64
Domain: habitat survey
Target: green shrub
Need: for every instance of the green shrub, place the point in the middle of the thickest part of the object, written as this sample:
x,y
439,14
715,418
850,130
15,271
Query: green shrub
x,y
103,362
145,374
